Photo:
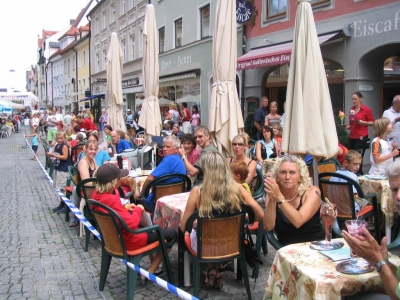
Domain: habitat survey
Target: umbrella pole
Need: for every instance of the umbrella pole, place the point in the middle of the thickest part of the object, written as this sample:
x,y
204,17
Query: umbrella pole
x,y
315,169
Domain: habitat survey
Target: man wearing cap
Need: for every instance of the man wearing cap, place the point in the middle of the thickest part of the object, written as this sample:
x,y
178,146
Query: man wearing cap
x,y
108,179
171,163
118,145
85,123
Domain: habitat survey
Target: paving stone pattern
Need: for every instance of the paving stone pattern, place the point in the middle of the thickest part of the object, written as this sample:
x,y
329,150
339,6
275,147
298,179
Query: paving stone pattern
x,y
42,258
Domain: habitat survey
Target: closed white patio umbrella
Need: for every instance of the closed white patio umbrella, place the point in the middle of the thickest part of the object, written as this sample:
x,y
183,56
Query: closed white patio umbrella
x,y
114,84
226,118
309,121
150,116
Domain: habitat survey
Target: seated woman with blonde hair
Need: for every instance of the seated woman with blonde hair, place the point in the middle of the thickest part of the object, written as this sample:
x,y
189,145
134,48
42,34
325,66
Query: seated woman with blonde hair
x,y
218,194
239,146
292,203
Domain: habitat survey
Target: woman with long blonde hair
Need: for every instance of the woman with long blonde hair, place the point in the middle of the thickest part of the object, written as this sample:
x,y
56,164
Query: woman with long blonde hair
x,y
218,194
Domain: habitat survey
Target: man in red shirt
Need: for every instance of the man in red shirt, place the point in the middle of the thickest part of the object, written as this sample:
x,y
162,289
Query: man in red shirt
x,y
86,124
186,127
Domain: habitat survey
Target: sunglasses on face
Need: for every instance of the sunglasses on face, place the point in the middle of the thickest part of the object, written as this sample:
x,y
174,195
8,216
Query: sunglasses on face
x,y
237,144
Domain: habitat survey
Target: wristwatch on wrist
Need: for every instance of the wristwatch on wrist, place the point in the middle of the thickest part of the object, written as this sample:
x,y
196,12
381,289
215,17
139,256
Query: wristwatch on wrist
x,y
183,157
379,265
279,203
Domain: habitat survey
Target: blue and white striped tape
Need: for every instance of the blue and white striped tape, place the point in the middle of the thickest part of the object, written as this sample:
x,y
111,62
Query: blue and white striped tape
x,y
160,282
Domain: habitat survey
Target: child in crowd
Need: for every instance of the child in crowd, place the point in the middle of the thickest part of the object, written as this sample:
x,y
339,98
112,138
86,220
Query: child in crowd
x,y
166,130
68,134
277,133
240,170
34,140
108,179
351,165
383,149
62,160
107,131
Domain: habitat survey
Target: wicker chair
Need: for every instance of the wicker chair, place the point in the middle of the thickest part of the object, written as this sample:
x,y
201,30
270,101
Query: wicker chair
x,y
216,245
86,191
159,188
110,225
341,193
72,181
75,151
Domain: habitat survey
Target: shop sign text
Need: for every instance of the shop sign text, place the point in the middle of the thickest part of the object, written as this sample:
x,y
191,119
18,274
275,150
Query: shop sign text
x,y
363,28
180,61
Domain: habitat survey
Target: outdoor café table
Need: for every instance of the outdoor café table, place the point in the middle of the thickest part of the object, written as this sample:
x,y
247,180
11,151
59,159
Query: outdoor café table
x,y
384,195
298,272
168,213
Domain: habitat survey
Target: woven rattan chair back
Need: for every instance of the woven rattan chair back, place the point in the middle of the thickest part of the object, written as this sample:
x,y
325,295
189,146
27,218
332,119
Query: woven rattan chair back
x,y
340,195
171,189
110,234
218,243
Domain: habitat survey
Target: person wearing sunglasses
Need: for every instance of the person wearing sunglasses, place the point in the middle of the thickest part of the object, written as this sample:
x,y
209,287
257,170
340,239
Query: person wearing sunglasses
x,y
202,136
239,145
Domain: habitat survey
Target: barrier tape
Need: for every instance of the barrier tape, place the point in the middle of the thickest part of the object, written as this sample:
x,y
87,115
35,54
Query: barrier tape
x,y
160,282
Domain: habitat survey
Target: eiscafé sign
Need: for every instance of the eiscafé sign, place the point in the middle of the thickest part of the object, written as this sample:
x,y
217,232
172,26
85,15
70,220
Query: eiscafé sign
x,y
264,61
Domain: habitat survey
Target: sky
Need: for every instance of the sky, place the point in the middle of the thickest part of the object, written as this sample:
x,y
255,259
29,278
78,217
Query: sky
x,y
21,21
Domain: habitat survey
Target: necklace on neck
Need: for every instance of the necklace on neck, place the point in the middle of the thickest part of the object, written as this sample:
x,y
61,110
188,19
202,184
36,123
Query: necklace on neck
x,y
288,200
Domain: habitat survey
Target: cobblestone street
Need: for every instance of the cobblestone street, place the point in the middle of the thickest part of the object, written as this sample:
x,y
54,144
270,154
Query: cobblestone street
x,y
42,258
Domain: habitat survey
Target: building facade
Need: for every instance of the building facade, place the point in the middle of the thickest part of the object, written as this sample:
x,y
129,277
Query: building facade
x,y
126,18
360,45
185,51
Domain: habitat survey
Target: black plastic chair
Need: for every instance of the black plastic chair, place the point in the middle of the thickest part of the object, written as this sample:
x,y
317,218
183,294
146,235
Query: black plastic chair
x,y
259,188
341,193
72,181
110,225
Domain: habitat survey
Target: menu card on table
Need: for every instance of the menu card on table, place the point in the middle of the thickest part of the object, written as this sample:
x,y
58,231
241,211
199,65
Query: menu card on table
x,y
338,254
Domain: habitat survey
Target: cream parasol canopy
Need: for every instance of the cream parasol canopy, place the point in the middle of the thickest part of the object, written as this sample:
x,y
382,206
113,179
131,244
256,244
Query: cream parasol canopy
x,y
114,84
226,118
150,116
309,126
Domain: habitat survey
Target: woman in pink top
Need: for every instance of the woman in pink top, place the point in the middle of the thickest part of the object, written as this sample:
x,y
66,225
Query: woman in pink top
x,y
195,120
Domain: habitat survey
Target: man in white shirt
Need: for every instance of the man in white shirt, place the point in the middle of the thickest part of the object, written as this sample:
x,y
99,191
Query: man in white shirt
x,y
393,114
52,121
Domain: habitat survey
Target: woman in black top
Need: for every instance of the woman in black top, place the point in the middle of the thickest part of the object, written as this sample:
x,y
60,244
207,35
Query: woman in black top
x,y
292,203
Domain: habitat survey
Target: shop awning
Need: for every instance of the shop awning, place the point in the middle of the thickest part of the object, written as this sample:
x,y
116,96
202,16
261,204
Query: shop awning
x,y
91,97
272,55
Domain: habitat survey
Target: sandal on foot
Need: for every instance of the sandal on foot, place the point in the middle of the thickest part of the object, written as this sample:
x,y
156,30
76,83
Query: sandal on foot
x,y
73,222
218,282
211,276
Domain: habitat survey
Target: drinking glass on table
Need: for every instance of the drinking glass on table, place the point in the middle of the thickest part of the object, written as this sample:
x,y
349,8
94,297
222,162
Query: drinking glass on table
x,y
328,212
354,265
